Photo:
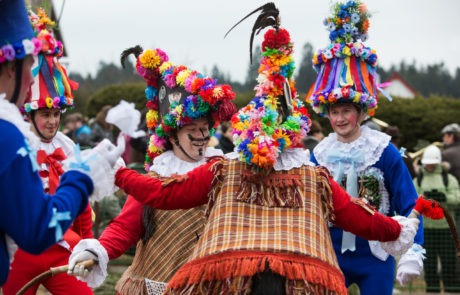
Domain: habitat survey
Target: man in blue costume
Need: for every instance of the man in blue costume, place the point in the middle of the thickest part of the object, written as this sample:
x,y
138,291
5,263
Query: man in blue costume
x,y
361,159
38,226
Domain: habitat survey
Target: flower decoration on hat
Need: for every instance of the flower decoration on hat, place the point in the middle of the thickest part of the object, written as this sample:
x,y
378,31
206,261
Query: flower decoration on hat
x,y
346,67
177,95
52,88
16,36
275,120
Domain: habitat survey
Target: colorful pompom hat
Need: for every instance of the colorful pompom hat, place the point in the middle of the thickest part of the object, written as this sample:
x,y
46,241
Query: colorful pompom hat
x,y
275,119
52,88
177,95
16,35
346,68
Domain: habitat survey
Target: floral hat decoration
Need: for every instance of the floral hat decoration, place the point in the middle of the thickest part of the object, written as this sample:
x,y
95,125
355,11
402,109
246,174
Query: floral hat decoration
x,y
52,88
346,67
274,120
16,36
177,95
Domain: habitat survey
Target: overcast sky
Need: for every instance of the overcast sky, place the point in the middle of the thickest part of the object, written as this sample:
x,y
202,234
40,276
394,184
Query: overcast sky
x,y
192,32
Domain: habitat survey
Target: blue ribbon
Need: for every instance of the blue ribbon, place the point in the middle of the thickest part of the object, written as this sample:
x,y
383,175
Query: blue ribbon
x,y
27,151
402,152
54,222
353,158
80,164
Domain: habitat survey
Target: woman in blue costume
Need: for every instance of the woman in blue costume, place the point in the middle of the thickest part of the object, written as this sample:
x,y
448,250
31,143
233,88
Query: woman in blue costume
x,y
361,160
31,228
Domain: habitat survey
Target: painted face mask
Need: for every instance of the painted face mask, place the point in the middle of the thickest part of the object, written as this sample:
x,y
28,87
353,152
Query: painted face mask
x,y
176,96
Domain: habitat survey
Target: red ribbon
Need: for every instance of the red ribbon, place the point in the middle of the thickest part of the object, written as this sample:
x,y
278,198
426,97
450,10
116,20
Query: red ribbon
x,y
55,167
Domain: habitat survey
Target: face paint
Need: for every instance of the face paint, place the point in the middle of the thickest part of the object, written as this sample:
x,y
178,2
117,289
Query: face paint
x,y
192,140
345,121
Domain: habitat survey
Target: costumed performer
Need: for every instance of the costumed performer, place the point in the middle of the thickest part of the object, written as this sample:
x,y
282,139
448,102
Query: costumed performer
x,y
50,96
362,160
184,107
33,228
267,214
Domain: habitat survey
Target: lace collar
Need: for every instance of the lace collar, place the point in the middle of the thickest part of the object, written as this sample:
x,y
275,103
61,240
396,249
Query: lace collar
x,y
9,112
167,163
372,142
287,160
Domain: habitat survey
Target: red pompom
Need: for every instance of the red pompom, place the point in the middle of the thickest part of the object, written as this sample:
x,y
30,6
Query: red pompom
x,y
225,111
429,208
275,39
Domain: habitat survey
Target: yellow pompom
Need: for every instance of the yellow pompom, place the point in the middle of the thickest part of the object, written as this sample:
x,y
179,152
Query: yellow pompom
x,y
149,59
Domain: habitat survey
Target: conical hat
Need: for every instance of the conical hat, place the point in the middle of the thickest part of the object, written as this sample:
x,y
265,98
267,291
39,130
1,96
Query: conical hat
x,y
346,67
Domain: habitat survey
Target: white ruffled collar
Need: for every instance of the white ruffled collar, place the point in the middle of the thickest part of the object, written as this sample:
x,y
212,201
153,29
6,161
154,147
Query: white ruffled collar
x,y
59,141
167,163
372,142
9,112
287,160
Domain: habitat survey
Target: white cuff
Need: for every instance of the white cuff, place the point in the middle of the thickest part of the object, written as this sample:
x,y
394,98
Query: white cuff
x,y
409,227
99,272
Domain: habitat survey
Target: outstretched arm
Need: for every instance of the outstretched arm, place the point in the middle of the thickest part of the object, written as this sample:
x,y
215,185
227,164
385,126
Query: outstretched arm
x,y
179,192
356,219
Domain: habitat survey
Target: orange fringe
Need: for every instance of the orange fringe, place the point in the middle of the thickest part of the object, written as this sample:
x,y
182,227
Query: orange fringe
x,y
228,265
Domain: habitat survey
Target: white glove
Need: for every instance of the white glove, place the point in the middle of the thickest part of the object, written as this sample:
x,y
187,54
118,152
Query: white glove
x,y
77,269
409,227
110,152
98,163
84,250
410,265
126,118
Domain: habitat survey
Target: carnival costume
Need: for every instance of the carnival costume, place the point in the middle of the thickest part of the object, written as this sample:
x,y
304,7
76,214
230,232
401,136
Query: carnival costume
x,y
32,227
370,168
176,96
267,208
52,90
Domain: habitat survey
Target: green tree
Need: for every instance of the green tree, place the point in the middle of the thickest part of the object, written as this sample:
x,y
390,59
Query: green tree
x,y
253,70
306,74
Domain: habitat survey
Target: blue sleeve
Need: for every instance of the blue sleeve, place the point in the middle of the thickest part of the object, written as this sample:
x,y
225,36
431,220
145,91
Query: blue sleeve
x,y
400,186
27,213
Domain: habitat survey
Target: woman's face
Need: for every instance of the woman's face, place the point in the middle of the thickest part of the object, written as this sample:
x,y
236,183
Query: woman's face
x,y
47,122
345,121
192,141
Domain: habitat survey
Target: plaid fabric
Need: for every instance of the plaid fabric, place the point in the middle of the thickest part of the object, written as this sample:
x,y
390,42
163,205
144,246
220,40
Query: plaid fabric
x,y
247,232
170,246
236,225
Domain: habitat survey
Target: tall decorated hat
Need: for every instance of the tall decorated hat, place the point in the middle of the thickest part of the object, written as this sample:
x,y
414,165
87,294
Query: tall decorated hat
x,y
16,36
177,95
346,67
52,88
275,119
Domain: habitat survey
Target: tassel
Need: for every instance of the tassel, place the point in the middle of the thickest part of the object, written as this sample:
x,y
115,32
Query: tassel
x,y
434,210
429,208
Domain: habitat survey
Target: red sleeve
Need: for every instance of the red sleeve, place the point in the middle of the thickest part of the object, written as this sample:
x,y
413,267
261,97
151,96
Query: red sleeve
x,y
356,219
125,230
83,224
180,192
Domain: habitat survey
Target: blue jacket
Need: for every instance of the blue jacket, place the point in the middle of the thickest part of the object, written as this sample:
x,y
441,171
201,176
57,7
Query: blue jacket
x,y
33,219
398,182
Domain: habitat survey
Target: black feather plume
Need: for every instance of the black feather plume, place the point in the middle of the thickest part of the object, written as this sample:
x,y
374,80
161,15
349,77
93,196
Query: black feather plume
x,y
136,50
268,17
